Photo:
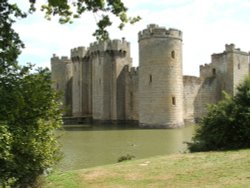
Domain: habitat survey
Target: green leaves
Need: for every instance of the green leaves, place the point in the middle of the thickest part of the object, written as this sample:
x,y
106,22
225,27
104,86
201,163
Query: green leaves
x,y
30,111
227,124
29,108
67,11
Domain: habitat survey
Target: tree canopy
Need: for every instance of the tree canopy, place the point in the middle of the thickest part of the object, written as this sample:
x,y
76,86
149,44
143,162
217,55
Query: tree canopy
x,y
70,10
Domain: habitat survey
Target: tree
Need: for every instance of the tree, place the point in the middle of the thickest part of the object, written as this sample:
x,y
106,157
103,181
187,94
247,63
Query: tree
x,y
29,114
29,108
227,124
69,10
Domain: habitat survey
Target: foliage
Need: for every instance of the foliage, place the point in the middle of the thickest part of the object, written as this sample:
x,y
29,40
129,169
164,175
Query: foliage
x,y
227,124
31,113
125,158
10,43
69,10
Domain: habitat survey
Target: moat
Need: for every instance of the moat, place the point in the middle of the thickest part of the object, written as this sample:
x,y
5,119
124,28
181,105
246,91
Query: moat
x,y
94,146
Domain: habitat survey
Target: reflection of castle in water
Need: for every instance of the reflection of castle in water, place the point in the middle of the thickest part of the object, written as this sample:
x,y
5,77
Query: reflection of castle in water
x,y
100,82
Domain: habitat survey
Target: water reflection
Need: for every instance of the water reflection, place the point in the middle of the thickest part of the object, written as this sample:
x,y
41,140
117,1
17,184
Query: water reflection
x,y
88,147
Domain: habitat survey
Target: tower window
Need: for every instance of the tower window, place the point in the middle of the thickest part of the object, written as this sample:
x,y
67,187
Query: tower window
x,y
173,101
214,71
173,54
150,78
239,66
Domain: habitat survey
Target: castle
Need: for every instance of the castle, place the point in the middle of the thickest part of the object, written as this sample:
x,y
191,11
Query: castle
x,y
99,82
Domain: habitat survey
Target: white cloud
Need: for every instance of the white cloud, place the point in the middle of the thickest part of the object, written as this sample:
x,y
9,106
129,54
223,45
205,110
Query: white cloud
x,y
206,26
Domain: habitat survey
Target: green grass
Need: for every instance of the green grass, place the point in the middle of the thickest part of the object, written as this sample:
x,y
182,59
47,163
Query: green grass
x,y
211,169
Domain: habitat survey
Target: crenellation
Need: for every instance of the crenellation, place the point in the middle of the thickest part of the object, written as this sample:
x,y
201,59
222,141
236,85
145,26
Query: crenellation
x,y
101,83
115,46
62,59
154,31
79,52
134,70
230,47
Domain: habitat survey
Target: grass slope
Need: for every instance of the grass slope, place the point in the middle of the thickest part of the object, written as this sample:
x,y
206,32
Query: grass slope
x,y
211,169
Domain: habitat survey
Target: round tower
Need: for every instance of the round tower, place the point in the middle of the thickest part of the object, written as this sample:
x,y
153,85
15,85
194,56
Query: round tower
x,y
160,78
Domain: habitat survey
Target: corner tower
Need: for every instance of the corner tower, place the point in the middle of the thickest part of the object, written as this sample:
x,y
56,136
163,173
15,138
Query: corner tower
x,y
160,78
80,94
61,75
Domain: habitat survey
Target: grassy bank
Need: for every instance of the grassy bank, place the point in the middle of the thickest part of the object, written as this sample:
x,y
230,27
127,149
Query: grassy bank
x,y
211,169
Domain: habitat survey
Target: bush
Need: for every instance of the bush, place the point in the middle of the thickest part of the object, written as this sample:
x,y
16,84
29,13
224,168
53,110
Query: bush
x,y
30,114
125,158
227,124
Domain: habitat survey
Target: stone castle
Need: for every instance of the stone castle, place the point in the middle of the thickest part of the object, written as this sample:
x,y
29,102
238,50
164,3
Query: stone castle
x,y
99,82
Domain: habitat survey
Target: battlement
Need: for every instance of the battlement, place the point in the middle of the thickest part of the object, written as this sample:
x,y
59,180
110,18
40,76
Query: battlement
x,y
192,80
131,70
62,59
134,70
154,31
229,48
78,52
111,45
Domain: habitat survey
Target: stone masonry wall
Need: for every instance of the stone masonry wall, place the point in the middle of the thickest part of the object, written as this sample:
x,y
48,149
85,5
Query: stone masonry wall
x,y
108,61
77,55
131,92
192,86
208,93
62,73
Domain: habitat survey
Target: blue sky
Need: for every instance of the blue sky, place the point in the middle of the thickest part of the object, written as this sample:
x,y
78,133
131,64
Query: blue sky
x,y
206,25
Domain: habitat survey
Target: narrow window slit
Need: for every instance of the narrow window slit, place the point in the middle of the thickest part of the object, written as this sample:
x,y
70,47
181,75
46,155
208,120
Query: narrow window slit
x,y
173,101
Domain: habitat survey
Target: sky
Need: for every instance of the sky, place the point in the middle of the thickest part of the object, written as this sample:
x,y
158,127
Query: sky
x,y
206,25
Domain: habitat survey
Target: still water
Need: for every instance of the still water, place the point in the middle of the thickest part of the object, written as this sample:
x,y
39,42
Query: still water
x,y
89,147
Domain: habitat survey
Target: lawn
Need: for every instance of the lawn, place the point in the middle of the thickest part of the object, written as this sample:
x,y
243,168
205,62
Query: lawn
x,y
208,169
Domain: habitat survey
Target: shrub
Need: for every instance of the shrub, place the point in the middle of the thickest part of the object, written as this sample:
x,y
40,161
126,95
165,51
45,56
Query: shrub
x,y
125,158
227,124
30,114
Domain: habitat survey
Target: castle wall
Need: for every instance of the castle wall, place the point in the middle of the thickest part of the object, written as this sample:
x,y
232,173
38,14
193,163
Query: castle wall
x,y
97,86
160,78
130,75
192,87
122,64
208,93
240,68
61,69
86,86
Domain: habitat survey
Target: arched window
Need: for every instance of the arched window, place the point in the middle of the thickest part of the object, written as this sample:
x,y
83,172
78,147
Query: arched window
x,y
239,66
173,54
